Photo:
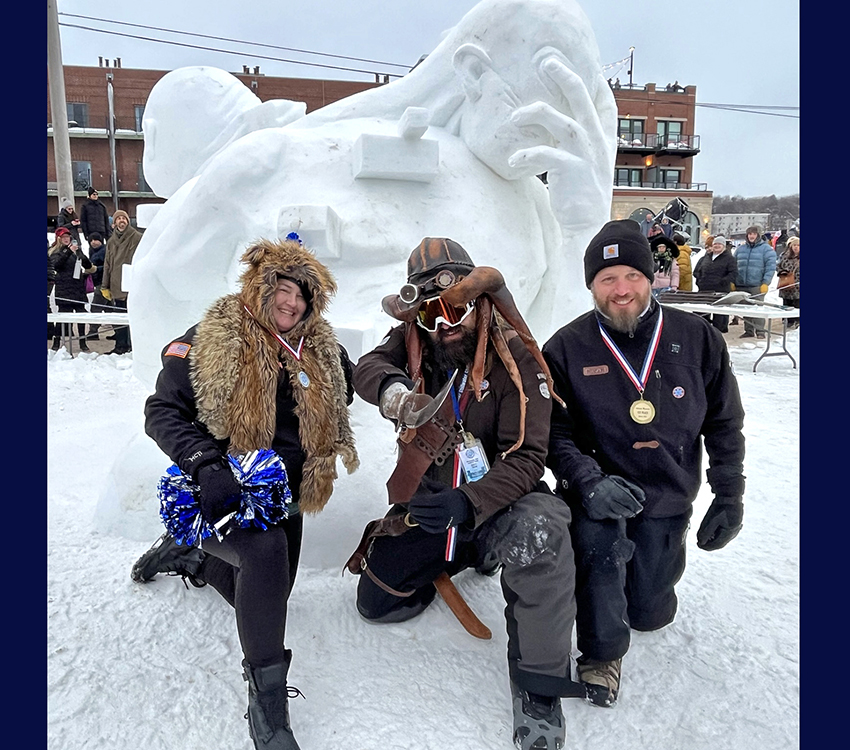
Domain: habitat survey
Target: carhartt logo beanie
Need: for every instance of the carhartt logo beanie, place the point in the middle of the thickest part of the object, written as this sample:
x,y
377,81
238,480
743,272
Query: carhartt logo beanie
x,y
618,243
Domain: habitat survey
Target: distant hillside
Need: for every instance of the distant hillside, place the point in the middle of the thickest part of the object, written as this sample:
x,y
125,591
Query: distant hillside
x,y
770,204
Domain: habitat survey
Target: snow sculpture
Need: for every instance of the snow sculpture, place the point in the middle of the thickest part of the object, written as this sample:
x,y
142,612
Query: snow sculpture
x,y
452,149
192,113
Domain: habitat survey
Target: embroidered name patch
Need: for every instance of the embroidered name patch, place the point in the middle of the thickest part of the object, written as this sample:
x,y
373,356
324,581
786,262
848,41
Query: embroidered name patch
x,y
177,349
597,370
610,251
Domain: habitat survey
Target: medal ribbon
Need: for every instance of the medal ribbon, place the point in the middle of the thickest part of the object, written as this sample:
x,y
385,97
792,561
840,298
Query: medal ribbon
x,y
457,473
639,381
283,342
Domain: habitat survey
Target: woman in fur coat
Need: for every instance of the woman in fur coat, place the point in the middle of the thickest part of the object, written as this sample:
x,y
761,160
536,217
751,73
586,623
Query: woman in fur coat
x,y
262,369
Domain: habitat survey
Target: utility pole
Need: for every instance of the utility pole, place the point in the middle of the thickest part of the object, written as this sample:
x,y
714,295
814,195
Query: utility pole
x,y
111,99
58,108
631,64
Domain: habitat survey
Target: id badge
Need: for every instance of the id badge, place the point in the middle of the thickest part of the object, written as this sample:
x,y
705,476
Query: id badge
x,y
473,460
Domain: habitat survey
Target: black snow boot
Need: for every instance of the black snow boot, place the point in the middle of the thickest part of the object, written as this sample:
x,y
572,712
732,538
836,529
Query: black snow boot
x,y
166,556
268,705
538,720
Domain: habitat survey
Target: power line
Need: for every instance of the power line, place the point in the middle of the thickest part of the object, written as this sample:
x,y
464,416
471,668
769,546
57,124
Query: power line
x,y
226,52
750,109
226,39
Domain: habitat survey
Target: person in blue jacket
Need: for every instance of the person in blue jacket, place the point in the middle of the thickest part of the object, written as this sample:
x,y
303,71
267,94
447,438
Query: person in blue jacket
x,y
756,261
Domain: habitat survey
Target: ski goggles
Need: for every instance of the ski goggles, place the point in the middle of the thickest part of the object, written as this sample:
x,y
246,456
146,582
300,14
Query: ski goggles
x,y
436,311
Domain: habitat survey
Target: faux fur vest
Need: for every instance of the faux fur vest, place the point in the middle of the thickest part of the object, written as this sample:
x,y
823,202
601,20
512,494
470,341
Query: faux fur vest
x,y
236,360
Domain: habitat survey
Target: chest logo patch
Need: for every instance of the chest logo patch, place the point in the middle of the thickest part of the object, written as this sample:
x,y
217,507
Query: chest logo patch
x,y
678,392
675,348
595,370
177,349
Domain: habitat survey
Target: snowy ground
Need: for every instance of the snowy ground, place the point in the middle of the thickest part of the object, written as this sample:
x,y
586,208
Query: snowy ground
x,y
157,666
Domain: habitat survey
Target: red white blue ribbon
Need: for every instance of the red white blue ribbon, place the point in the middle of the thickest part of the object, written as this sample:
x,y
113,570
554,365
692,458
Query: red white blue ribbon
x,y
451,542
295,352
639,381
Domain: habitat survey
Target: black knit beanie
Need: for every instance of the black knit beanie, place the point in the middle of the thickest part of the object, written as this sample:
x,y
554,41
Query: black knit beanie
x,y
618,243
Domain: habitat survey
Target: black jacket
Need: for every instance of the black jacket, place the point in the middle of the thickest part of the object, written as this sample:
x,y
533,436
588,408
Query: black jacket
x,y
695,394
67,287
98,257
716,275
64,219
95,218
171,417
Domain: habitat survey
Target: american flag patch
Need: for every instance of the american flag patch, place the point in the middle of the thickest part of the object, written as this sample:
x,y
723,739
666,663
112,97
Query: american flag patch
x,y
177,349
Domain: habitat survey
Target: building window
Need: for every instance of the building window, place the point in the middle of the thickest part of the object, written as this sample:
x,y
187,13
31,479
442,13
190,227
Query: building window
x,y
143,184
140,113
81,172
78,114
628,176
631,132
669,132
669,177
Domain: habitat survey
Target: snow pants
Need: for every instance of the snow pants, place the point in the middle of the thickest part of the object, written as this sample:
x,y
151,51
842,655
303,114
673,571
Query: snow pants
x,y
626,573
532,542
254,570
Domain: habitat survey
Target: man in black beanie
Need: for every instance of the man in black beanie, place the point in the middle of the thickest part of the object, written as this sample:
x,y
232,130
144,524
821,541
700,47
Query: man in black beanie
x,y
643,385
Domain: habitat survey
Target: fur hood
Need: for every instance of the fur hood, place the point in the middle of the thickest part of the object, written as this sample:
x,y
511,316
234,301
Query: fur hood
x,y
236,360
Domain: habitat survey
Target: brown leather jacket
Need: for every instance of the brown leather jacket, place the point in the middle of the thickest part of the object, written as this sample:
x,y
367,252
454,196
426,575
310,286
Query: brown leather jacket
x,y
495,419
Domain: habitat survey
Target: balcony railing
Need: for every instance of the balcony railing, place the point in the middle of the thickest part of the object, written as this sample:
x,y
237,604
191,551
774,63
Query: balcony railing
x,y
125,126
663,185
654,143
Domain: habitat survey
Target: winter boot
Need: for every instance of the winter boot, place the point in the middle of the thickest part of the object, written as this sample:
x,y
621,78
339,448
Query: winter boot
x,y
56,344
538,721
166,556
601,680
268,705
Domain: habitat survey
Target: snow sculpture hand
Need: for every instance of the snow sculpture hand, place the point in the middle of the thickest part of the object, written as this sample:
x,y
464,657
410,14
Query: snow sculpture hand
x,y
580,165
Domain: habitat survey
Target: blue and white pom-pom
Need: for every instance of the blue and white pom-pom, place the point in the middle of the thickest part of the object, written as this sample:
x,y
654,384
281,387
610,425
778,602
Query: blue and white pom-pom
x,y
266,498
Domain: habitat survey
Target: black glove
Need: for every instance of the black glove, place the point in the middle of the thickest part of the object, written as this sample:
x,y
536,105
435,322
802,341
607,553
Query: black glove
x,y
613,497
437,512
723,520
220,492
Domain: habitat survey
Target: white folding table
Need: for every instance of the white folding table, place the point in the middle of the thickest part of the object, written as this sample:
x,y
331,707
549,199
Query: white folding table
x,y
768,312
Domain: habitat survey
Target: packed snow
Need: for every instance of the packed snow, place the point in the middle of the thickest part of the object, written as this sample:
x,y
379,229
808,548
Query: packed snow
x,y
157,666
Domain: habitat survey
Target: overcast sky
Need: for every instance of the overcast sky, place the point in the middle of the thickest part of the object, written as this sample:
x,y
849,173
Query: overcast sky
x,y
736,52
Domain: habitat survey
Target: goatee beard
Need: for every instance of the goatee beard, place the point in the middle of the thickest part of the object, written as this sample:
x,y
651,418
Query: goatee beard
x,y
454,355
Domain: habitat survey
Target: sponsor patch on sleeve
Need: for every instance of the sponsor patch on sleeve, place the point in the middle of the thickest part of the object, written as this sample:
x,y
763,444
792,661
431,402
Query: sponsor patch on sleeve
x,y
177,349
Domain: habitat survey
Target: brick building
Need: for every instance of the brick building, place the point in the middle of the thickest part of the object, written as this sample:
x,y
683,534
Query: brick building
x,y
656,139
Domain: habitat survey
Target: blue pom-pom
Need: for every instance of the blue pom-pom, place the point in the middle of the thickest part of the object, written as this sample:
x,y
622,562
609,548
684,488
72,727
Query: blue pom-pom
x,y
294,236
266,498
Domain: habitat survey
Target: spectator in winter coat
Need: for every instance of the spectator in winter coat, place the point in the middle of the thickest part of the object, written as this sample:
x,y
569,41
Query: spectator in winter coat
x,y
94,217
686,276
788,270
716,271
646,224
756,263
119,252
665,253
97,255
627,450
236,382
68,218
71,266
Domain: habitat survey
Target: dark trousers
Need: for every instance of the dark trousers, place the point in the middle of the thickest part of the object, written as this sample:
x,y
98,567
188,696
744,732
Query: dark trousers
x,y
254,571
751,325
626,572
122,333
531,539
720,322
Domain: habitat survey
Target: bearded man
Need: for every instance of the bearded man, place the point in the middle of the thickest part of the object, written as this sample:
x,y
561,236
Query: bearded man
x,y
644,387
464,381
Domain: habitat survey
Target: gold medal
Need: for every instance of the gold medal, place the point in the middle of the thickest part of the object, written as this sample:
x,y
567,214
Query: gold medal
x,y
642,412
